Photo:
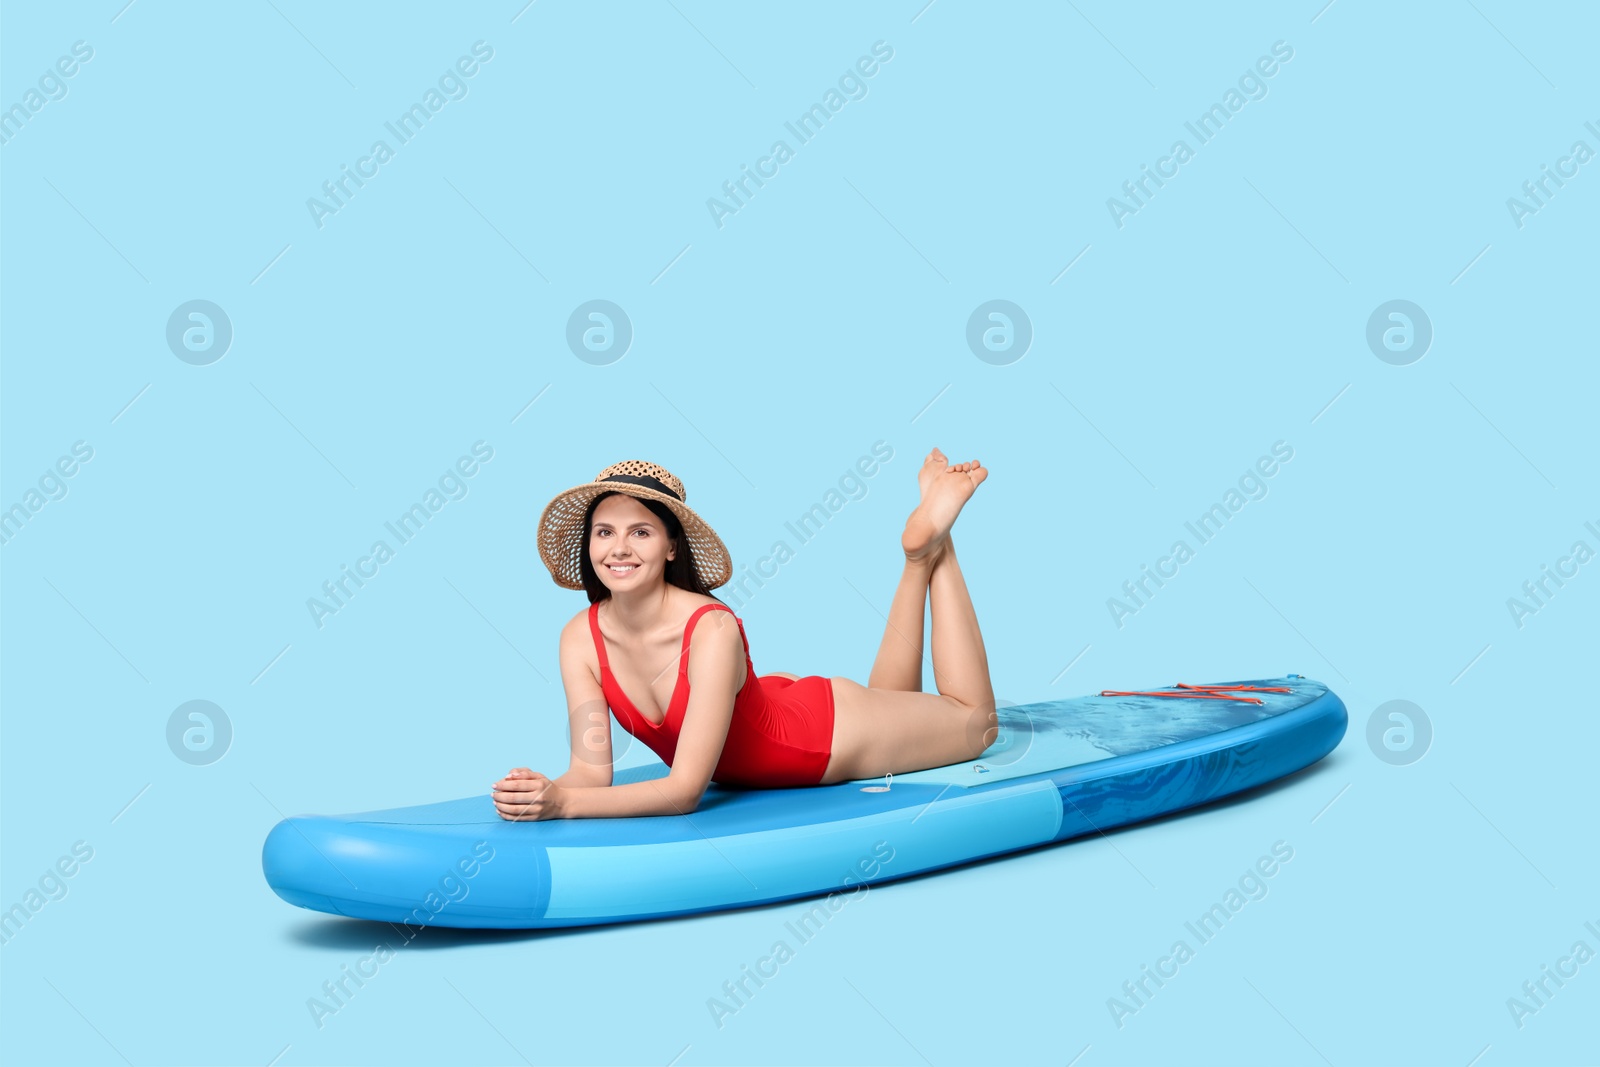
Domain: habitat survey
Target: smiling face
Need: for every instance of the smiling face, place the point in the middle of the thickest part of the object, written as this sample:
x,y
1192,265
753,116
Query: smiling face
x,y
628,545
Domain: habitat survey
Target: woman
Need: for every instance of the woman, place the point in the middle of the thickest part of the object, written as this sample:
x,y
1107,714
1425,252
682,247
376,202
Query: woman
x,y
648,564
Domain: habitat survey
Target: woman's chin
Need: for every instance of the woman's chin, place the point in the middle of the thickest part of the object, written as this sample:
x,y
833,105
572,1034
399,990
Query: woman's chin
x,y
621,583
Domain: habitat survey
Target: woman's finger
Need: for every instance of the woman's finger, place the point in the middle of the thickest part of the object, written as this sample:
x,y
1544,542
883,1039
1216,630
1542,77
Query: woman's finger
x,y
522,785
518,809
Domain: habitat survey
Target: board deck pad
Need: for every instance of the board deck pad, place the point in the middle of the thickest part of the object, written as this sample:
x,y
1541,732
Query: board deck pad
x,y
1056,734
1058,769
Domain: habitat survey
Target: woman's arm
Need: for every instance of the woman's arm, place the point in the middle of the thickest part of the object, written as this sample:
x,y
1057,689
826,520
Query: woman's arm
x,y
588,713
588,727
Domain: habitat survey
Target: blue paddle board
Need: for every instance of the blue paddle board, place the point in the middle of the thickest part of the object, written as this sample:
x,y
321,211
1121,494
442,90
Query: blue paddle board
x,y
1058,770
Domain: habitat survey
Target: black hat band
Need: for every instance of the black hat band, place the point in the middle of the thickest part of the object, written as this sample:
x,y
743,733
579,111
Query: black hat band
x,y
646,481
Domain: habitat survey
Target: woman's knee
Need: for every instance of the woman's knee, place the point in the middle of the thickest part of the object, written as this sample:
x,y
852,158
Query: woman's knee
x,y
981,726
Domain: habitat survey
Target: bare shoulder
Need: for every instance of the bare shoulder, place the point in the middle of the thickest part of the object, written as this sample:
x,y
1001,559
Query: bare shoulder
x,y
576,639
711,620
579,623
717,630
716,648
580,661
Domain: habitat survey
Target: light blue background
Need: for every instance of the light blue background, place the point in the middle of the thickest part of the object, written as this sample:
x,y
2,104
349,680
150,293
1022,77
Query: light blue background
x,y
769,354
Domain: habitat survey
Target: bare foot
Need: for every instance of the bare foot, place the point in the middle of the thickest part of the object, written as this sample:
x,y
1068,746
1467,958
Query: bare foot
x,y
945,491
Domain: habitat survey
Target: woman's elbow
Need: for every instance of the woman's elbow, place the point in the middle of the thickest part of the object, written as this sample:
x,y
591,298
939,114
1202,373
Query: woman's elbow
x,y
686,798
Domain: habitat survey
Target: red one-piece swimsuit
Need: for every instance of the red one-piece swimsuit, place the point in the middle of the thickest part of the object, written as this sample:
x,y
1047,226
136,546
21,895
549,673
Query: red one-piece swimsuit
x,y
781,733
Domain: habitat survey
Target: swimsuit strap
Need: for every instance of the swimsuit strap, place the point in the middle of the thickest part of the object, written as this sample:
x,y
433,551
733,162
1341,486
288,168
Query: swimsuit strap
x,y
683,656
599,641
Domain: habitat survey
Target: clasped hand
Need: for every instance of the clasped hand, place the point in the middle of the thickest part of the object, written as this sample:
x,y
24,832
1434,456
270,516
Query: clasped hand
x,y
527,796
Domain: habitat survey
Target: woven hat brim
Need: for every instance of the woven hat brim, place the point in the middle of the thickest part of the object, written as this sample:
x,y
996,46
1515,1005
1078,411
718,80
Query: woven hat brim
x,y
560,535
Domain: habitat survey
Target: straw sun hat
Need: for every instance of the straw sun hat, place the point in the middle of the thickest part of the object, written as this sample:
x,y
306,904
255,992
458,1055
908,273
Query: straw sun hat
x,y
561,524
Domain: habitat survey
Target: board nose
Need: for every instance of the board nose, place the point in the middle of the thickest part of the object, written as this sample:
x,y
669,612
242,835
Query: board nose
x,y
301,859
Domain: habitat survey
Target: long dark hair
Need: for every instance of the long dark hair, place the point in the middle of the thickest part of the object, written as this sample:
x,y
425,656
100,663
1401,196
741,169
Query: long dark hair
x,y
680,570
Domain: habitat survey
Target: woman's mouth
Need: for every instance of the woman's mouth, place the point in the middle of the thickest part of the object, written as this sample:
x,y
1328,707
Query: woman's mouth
x,y
622,572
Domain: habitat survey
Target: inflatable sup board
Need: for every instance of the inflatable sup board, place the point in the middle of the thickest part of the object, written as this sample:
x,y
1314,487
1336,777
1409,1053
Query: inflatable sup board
x,y
1058,770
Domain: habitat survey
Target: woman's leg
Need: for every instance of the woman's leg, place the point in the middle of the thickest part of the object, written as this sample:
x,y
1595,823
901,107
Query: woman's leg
x,y
898,664
899,661
879,730
960,662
